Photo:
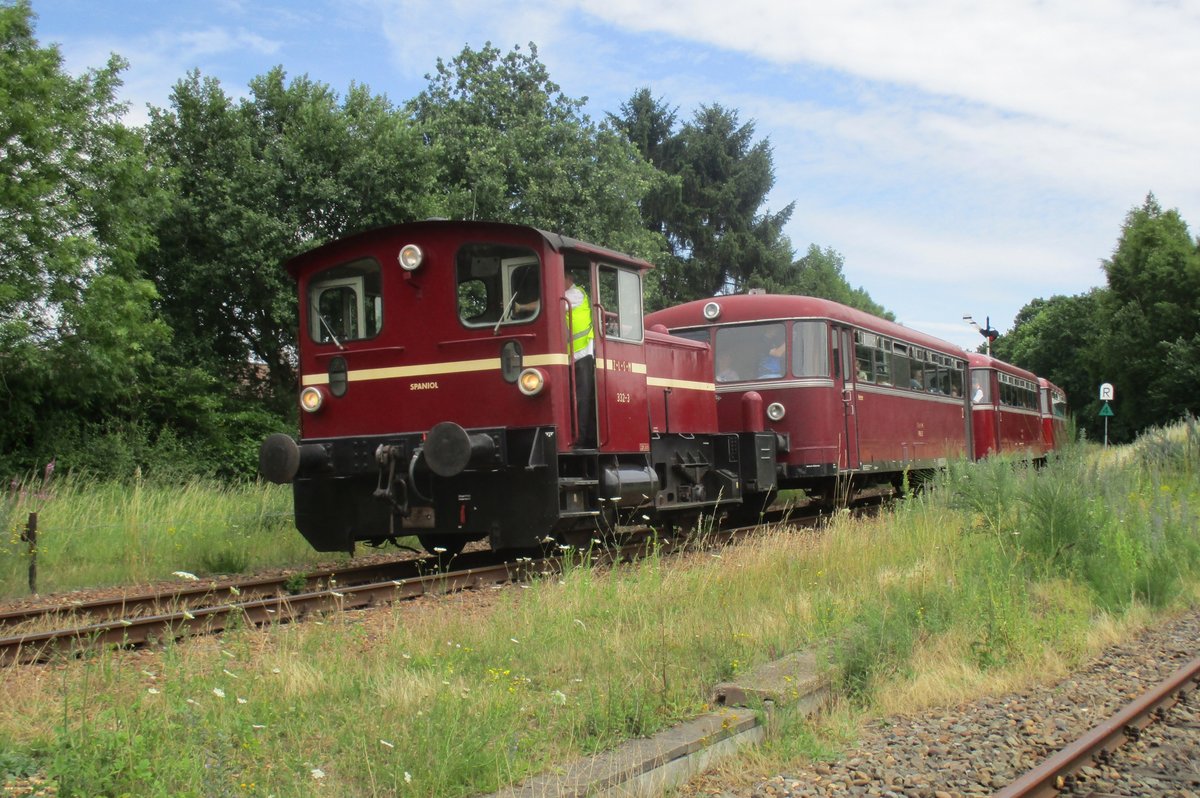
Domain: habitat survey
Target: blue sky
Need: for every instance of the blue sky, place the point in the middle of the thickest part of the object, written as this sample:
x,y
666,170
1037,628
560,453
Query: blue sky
x,y
963,157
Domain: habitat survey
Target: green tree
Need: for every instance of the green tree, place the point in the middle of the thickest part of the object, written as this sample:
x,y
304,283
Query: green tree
x,y
1058,339
254,182
77,329
710,209
1151,319
511,147
819,273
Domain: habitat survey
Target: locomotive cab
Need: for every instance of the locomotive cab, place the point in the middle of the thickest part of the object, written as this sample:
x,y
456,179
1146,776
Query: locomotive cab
x,y
456,386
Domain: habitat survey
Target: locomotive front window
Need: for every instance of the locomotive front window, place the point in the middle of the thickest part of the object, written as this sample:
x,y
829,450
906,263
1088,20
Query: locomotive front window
x,y
345,303
497,285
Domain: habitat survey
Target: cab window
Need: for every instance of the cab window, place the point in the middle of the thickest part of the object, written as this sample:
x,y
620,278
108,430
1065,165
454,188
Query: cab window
x,y
345,303
497,285
621,297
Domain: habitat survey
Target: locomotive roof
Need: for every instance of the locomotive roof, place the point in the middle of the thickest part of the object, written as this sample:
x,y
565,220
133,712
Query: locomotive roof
x,y
465,229
744,308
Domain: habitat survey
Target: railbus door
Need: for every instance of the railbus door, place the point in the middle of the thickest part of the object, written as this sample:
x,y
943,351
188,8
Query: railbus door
x,y
844,381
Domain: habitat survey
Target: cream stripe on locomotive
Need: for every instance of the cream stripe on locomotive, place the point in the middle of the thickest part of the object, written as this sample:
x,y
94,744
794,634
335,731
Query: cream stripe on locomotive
x,y
689,385
484,364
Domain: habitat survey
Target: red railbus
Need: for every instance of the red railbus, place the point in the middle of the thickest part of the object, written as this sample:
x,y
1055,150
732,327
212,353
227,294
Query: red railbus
x,y
1006,415
847,394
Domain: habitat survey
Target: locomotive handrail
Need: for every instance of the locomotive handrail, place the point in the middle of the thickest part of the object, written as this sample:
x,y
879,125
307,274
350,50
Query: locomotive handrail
x,y
459,341
320,355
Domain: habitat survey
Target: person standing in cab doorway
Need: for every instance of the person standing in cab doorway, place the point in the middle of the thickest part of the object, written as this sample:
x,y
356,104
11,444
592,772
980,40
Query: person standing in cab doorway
x,y
579,322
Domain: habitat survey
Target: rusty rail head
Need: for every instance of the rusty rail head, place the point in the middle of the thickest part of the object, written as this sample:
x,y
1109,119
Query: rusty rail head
x,y
1052,776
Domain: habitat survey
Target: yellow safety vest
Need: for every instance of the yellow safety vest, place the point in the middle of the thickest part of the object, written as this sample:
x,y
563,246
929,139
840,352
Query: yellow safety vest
x,y
579,319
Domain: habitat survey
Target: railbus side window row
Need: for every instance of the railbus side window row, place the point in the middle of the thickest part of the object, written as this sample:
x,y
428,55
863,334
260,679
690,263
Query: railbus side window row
x,y
1017,392
883,361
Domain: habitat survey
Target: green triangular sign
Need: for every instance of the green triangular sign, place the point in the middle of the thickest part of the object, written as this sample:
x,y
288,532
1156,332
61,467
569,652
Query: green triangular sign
x,y
1106,410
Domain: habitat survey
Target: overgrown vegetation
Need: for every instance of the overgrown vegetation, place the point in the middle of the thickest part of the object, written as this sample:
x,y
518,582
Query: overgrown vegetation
x,y
93,534
999,572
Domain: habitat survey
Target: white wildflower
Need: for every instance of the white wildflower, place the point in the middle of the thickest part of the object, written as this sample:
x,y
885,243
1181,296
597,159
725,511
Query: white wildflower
x,y
218,692
186,575
407,777
559,697
317,773
439,549
151,691
242,700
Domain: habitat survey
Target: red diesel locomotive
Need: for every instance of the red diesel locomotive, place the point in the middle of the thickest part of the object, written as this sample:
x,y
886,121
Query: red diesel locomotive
x,y
438,395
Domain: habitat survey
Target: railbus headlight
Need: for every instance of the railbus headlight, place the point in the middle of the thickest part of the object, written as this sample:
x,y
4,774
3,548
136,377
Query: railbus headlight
x,y
311,399
410,257
776,411
531,382
711,311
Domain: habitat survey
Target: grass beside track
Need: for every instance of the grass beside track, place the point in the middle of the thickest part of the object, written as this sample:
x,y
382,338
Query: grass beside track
x,y
999,575
100,534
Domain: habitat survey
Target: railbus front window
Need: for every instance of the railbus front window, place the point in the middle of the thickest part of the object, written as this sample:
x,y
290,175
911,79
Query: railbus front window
x,y
345,303
810,349
751,352
497,285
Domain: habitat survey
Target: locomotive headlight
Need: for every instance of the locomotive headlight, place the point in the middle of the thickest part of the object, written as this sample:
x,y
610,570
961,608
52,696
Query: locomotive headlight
x,y
531,382
775,411
711,310
311,399
410,257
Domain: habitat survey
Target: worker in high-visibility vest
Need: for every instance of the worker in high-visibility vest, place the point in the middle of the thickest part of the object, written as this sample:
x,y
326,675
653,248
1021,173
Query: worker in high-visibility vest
x,y
579,322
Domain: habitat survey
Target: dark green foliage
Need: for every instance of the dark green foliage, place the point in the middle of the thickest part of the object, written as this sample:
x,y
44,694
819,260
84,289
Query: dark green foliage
x,y
1141,333
254,182
509,146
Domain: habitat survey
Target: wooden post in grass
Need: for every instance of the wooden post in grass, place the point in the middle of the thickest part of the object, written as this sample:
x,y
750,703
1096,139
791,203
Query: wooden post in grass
x,y
30,537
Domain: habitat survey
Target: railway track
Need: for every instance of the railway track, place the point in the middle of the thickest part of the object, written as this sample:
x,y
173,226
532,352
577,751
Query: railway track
x,y
1115,758
133,621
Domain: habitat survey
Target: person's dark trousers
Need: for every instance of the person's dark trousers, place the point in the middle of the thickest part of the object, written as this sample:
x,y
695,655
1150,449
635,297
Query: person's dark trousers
x,y
585,401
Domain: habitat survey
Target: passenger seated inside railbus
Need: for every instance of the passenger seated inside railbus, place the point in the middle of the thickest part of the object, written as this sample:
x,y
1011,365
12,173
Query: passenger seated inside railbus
x,y
725,370
770,365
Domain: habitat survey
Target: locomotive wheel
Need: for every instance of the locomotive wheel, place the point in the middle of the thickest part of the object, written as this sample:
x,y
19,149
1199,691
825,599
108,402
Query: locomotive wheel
x,y
453,544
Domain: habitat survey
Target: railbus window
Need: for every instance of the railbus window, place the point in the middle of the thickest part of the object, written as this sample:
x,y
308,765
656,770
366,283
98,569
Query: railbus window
x,y
981,386
497,284
810,349
345,303
751,352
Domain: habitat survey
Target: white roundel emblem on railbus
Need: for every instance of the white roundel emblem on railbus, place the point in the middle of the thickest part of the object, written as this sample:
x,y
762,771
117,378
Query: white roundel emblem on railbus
x,y
776,411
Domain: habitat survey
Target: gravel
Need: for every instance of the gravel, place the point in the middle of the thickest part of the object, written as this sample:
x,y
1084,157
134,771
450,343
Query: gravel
x,y
977,748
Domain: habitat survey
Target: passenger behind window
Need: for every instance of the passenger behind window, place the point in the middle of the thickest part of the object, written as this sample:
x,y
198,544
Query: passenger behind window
x,y
725,369
771,363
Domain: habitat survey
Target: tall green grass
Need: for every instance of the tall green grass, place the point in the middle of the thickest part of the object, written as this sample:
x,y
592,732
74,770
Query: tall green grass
x,y
94,534
998,569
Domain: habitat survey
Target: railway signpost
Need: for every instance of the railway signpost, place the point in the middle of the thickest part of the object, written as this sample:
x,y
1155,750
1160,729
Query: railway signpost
x,y
1106,395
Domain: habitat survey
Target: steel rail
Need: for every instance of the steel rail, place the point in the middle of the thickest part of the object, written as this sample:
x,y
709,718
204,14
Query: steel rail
x,y
1057,773
210,593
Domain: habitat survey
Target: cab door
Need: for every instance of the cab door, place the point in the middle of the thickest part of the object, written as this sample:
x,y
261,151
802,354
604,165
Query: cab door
x,y
844,382
620,360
